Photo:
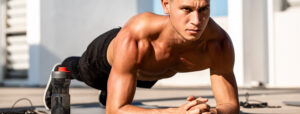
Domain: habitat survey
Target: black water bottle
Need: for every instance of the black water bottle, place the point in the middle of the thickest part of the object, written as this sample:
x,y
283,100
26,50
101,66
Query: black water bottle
x,y
60,99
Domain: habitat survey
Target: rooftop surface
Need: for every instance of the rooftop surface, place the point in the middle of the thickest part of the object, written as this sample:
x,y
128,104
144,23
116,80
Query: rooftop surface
x,y
85,100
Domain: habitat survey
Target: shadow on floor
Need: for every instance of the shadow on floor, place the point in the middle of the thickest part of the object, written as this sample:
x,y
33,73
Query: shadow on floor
x,y
75,106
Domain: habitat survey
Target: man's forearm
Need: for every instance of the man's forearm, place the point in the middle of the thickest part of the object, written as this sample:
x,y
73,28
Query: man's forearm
x,y
227,109
130,109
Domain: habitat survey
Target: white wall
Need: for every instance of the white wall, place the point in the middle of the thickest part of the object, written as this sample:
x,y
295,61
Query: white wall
x,y
255,41
248,28
236,32
266,42
286,46
1,42
68,26
34,38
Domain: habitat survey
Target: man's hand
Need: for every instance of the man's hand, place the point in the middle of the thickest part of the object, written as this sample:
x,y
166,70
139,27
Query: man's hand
x,y
195,106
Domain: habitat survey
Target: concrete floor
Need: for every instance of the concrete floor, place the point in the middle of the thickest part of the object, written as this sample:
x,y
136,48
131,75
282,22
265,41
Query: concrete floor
x,y
85,100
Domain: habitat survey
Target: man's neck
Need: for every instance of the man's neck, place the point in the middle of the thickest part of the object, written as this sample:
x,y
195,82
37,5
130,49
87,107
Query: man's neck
x,y
171,38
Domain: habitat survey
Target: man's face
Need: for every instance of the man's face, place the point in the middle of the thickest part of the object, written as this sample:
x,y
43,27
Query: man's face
x,y
189,17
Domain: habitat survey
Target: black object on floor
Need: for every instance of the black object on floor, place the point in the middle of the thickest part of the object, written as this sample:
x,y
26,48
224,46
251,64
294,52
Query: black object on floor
x,y
259,104
12,110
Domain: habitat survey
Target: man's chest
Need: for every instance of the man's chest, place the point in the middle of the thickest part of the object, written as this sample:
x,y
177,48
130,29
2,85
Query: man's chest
x,y
170,65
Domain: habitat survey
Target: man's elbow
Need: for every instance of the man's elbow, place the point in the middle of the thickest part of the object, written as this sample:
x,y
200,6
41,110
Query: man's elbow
x,y
111,109
228,109
236,109
115,109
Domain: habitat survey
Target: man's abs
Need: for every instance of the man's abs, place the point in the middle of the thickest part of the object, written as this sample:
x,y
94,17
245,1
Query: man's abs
x,y
150,76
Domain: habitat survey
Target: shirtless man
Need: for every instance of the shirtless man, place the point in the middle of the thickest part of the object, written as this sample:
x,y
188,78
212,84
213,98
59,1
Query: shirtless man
x,y
150,47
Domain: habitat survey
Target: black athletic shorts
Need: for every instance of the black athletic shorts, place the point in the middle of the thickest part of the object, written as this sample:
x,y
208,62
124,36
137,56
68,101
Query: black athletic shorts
x,y
93,66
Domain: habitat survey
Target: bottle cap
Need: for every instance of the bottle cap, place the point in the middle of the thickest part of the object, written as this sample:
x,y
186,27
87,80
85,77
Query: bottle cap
x,y
61,73
63,69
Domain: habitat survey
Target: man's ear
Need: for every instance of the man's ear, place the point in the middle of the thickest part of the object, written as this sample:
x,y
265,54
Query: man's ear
x,y
166,6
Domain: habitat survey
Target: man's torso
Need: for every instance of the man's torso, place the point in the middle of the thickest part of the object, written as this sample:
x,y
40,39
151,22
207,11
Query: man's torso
x,y
165,60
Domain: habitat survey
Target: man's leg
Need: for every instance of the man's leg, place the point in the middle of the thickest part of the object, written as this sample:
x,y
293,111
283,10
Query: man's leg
x,y
71,63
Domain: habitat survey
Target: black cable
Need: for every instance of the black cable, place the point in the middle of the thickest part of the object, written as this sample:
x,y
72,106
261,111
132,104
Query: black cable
x,y
21,99
30,111
260,104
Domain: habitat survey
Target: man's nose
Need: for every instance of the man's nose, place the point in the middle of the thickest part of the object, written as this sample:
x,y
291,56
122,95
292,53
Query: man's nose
x,y
195,19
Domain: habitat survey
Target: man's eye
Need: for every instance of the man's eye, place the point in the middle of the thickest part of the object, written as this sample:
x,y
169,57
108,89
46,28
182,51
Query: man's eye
x,y
203,9
187,9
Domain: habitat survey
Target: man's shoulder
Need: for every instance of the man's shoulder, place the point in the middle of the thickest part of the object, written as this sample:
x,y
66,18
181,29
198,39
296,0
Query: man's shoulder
x,y
215,35
145,24
219,46
139,30
213,30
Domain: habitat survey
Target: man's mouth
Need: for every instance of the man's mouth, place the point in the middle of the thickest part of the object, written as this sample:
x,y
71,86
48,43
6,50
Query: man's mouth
x,y
193,31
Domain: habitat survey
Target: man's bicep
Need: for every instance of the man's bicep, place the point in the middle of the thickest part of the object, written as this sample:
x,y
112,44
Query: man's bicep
x,y
122,79
125,54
